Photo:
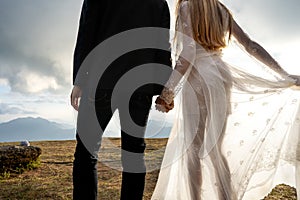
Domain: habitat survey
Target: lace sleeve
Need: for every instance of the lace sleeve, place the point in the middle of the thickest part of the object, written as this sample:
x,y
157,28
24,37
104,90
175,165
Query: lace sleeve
x,y
186,56
256,50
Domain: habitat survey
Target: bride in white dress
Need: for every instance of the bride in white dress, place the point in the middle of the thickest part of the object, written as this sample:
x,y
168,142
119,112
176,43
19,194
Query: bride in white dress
x,y
236,130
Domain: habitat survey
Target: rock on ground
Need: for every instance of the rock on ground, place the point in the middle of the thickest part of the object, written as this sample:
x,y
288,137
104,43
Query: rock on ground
x,y
14,157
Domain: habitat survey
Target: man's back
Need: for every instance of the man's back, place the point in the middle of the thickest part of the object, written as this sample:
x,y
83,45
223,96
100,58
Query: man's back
x,y
103,19
123,15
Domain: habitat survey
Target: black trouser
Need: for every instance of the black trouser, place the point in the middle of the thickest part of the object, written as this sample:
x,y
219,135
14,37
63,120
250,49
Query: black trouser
x,y
132,143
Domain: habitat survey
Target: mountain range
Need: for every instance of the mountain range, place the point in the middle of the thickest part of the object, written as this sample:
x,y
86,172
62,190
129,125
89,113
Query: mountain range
x,y
39,129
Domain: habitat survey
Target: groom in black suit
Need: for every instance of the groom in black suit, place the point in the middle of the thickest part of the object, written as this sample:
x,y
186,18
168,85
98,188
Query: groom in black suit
x,y
100,20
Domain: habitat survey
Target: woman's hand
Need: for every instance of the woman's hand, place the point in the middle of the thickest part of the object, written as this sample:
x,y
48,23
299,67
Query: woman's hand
x,y
75,96
296,78
162,106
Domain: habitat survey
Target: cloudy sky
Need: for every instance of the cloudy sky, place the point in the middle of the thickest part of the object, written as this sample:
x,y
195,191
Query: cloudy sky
x,y
37,40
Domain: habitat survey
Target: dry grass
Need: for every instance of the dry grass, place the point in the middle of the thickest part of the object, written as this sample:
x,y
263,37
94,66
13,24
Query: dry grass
x,y
53,179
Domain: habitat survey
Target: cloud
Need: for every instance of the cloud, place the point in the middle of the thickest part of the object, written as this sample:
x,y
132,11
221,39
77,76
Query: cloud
x,y
269,20
37,37
36,44
8,109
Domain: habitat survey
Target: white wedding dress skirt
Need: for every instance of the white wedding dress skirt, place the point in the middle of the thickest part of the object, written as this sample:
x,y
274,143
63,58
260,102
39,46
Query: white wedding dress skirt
x,y
235,134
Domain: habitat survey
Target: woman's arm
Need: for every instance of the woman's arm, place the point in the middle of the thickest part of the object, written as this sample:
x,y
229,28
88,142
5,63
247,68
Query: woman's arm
x,y
256,50
186,57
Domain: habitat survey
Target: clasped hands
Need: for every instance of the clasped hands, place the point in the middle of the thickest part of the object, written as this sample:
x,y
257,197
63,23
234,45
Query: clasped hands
x,y
162,106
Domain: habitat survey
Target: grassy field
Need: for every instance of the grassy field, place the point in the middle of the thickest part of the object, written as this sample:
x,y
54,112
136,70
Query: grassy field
x,y
53,179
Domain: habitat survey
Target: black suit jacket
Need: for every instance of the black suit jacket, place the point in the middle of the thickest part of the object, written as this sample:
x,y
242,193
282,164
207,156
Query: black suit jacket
x,y
101,19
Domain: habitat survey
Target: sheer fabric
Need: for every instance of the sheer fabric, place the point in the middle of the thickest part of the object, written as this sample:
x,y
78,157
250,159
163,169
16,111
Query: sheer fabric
x,y
235,134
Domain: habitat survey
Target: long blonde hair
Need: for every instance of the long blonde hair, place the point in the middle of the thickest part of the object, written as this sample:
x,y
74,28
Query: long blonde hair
x,y
209,24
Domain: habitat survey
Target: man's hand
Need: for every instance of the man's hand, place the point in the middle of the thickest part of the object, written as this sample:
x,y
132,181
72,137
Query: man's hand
x,y
162,106
75,96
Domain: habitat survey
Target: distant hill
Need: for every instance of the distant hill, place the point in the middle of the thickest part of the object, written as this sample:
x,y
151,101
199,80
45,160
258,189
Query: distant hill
x,y
39,129
34,129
